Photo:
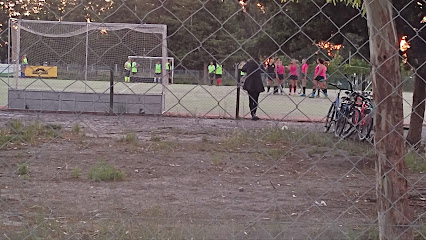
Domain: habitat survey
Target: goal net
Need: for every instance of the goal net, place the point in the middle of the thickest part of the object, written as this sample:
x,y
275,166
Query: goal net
x,y
149,69
83,50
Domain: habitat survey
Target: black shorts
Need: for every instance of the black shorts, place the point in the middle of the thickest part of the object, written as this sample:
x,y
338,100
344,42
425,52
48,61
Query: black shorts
x,y
212,75
320,79
293,77
271,76
127,73
281,76
218,75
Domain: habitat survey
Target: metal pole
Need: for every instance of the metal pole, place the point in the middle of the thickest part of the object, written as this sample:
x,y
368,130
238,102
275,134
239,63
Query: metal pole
x,y
165,80
18,51
237,108
8,51
111,91
87,55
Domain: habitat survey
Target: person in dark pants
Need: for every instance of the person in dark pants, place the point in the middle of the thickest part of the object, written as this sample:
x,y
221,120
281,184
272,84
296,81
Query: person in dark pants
x,y
253,84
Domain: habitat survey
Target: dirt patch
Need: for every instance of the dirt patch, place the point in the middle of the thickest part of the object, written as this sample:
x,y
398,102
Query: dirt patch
x,y
189,179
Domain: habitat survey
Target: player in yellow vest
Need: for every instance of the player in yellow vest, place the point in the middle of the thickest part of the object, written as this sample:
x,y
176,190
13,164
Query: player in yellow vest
x,y
127,69
157,78
242,74
218,74
212,72
135,66
24,64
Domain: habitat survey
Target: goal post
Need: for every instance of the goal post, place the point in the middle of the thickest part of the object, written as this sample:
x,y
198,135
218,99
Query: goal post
x,y
83,50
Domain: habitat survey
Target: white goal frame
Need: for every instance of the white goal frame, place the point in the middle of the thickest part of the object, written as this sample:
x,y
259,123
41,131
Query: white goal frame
x,y
18,25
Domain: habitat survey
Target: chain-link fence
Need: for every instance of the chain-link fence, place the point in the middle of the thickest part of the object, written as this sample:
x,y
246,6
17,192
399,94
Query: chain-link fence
x,y
218,119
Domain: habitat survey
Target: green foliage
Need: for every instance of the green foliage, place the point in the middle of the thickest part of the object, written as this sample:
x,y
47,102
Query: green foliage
x,y
15,125
415,161
76,129
130,137
155,138
357,66
217,159
23,169
76,172
104,172
18,132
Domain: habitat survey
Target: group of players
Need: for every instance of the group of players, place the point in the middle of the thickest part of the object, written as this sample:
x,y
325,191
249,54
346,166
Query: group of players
x,y
276,71
131,69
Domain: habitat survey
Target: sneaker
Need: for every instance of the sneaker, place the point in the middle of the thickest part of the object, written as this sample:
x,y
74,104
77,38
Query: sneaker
x,y
289,93
255,118
318,96
325,95
303,95
312,95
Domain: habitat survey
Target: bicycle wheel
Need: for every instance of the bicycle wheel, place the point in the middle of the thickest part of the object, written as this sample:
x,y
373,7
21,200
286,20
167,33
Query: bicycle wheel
x,y
365,127
352,124
339,125
330,118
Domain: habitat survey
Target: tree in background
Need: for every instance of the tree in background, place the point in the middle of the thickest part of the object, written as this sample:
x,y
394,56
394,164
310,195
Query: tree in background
x,y
411,25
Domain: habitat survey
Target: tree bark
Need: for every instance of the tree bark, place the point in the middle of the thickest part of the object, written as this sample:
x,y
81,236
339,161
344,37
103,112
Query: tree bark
x,y
417,115
394,215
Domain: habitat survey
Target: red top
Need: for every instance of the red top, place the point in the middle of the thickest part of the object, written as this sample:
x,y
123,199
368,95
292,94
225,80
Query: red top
x,y
305,68
293,70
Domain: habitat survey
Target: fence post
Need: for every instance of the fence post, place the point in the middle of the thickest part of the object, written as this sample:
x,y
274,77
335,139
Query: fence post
x,y
237,107
111,91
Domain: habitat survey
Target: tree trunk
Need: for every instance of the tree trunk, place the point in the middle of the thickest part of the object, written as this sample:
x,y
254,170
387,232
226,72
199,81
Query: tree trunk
x,y
394,215
417,115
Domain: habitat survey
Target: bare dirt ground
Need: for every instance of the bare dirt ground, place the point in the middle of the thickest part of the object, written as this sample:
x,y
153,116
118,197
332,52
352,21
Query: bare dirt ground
x,y
189,179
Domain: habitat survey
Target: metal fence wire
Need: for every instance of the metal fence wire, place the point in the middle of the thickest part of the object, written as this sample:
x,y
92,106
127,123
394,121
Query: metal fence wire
x,y
212,119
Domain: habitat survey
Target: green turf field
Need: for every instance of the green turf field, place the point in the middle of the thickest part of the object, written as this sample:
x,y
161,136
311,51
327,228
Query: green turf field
x,y
199,100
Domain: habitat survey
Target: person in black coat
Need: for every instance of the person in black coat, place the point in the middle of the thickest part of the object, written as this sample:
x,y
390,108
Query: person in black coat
x,y
253,84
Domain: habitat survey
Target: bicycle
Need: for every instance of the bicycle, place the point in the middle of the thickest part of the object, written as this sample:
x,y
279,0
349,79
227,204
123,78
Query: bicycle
x,y
365,126
360,116
334,112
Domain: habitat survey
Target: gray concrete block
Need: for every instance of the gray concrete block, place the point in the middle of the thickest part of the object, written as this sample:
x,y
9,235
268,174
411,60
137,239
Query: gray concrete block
x,y
50,95
85,102
17,103
34,104
84,107
50,105
101,107
67,96
13,94
33,94
144,108
67,106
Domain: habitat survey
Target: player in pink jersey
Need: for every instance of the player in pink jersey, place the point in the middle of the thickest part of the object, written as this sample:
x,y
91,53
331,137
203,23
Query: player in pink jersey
x,y
280,69
305,68
294,76
320,78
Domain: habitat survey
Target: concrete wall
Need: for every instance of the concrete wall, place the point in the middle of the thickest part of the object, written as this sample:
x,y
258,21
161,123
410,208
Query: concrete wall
x,y
84,102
